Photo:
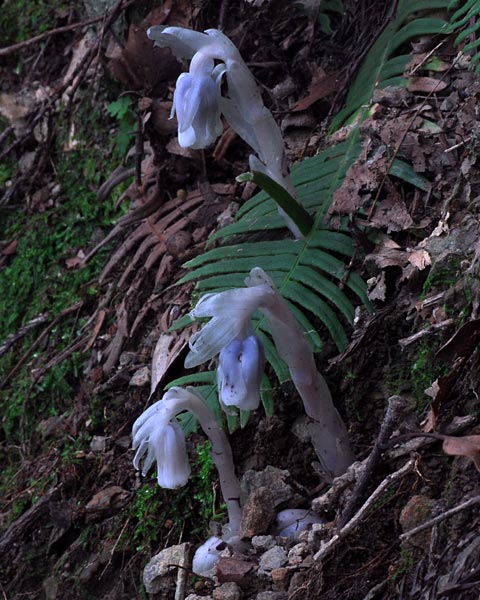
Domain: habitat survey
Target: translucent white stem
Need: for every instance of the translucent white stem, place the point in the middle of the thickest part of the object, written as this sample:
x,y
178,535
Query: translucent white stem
x,y
177,400
328,432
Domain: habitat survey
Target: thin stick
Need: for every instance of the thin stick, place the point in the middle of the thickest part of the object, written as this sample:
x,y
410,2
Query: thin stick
x,y
439,518
14,337
396,404
42,36
329,546
38,341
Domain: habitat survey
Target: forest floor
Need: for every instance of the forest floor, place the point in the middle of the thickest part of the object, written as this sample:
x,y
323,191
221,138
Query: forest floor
x,y
100,210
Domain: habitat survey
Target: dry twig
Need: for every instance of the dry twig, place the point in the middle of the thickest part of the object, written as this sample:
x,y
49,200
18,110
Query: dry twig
x,y
328,547
396,405
439,518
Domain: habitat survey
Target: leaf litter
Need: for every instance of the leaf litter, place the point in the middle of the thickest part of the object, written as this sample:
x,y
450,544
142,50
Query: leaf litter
x,y
128,326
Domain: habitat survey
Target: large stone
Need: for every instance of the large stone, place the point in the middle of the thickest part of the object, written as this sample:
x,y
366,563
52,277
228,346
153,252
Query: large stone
x,y
272,478
160,573
263,542
417,510
272,596
227,591
274,558
258,513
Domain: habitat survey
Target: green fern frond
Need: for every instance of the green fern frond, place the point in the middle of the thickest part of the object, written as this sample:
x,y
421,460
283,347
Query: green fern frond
x,y
306,272
465,22
381,67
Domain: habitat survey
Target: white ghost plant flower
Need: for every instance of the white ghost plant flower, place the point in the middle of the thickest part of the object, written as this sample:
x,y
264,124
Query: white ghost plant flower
x,y
231,312
157,435
196,103
242,105
239,374
292,521
206,557
164,443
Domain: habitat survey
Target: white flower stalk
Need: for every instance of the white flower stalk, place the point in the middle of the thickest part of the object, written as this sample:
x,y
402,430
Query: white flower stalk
x,y
242,106
152,432
239,374
231,312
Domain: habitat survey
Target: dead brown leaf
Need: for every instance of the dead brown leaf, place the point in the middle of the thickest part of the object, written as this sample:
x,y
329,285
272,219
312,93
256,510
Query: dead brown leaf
x,y
467,445
420,259
76,261
141,65
391,212
462,343
96,330
10,248
319,88
168,348
426,85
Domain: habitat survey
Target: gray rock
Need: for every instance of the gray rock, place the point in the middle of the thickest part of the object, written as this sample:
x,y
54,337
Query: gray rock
x,y
271,478
51,427
26,161
258,513
297,553
227,591
98,443
50,588
160,573
140,377
272,596
274,558
263,542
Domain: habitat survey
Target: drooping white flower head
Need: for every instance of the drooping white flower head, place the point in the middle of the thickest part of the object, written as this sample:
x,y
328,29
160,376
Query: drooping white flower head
x,y
196,103
239,374
242,105
164,441
157,434
231,312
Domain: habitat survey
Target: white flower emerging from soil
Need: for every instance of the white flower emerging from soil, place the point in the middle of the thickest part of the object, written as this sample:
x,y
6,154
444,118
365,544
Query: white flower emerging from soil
x,y
157,435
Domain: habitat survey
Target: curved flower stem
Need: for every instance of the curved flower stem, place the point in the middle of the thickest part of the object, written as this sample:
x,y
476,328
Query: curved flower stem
x,y
178,400
327,431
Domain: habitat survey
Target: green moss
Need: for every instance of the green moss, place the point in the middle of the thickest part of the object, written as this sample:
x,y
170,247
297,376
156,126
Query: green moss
x,y
157,512
405,564
23,19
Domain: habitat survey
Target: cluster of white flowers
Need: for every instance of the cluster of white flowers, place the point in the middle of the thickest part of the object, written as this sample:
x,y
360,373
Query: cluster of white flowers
x,y
198,104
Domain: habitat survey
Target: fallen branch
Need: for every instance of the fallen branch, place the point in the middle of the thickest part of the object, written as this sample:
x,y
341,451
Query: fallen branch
x,y
329,546
396,405
30,518
42,36
14,337
439,518
39,340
